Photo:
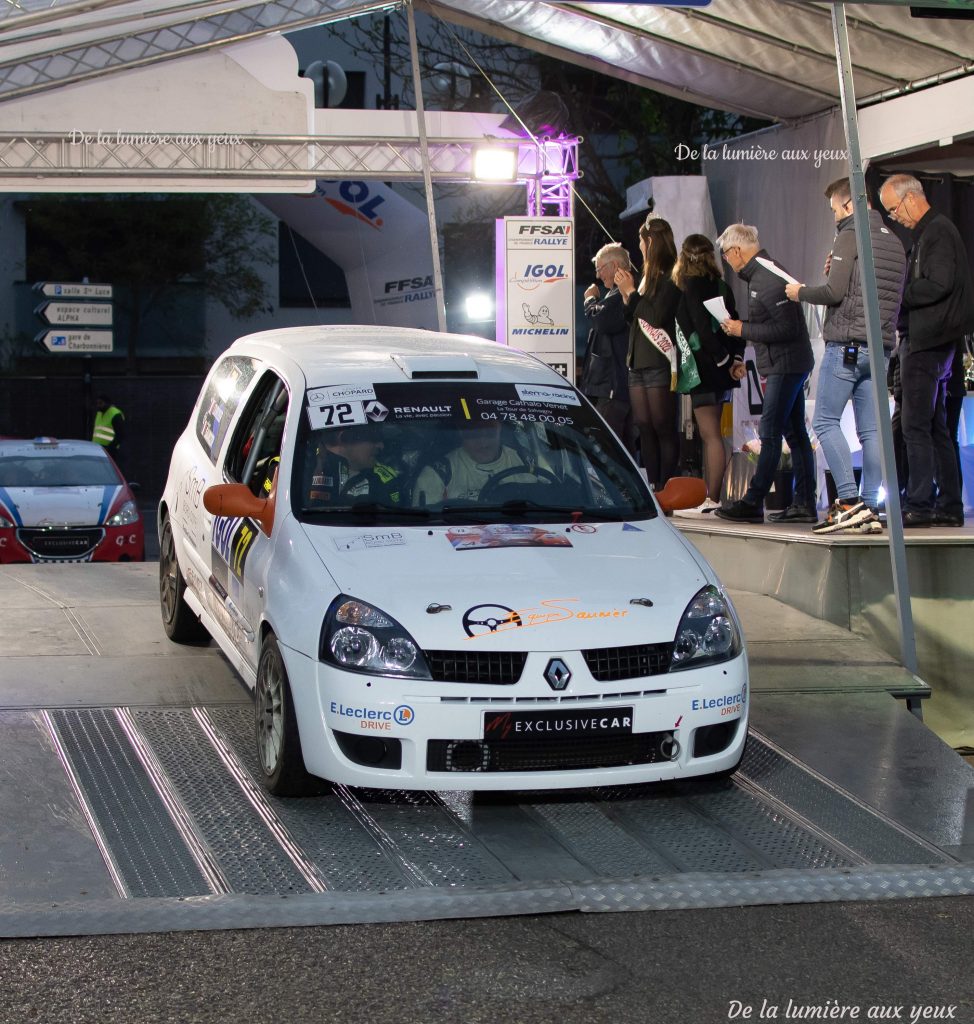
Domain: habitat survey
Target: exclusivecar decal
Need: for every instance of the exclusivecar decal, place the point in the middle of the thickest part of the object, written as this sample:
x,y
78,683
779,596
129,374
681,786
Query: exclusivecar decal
x,y
517,724
504,535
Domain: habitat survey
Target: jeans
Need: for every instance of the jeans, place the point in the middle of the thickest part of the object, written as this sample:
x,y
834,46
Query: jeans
x,y
929,450
784,414
838,383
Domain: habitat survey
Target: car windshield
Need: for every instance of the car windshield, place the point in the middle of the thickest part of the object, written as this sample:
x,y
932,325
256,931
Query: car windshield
x,y
460,452
56,471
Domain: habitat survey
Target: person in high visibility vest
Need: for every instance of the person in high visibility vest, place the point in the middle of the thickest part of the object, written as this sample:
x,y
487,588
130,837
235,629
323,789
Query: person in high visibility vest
x,y
109,426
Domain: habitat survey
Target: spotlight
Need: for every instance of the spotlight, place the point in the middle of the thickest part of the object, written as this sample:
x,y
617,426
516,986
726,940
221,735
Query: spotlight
x,y
479,306
494,163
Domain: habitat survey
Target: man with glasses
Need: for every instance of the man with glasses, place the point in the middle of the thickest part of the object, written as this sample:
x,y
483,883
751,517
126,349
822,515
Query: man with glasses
x,y
939,300
605,376
845,373
783,353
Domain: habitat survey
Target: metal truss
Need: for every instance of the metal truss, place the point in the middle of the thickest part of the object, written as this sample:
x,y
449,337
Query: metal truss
x,y
139,46
550,192
239,158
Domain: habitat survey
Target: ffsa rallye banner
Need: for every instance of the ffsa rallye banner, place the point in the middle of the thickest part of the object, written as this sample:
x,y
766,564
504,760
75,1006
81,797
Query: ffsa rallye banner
x,y
379,239
539,289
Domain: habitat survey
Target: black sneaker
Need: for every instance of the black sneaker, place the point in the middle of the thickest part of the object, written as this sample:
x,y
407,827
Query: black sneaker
x,y
741,512
794,514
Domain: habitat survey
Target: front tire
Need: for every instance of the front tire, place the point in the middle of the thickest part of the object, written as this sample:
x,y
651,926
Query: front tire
x,y
278,743
178,620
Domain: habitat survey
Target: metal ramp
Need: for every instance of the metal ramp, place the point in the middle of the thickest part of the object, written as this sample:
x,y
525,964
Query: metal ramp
x,y
188,839
129,800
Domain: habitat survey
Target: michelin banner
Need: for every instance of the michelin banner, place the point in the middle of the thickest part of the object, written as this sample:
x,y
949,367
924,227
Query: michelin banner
x,y
379,239
539,289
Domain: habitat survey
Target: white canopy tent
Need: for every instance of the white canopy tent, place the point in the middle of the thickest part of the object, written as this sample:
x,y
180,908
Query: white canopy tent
x,y
768,58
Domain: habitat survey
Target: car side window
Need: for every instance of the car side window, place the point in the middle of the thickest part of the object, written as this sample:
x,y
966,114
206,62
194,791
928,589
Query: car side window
x,y
229,381
254,452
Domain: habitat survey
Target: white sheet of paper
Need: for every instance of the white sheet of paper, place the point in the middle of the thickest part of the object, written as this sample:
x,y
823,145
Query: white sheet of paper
x,y
717,309
776,269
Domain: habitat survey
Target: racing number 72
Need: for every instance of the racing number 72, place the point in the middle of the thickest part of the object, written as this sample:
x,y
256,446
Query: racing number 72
x,y
338,415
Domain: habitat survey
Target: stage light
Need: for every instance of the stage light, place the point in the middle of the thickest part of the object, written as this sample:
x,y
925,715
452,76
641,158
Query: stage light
x,y
494,163
479,306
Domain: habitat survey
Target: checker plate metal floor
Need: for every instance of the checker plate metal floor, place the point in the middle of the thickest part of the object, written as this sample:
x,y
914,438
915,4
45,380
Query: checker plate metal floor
x,y
189,839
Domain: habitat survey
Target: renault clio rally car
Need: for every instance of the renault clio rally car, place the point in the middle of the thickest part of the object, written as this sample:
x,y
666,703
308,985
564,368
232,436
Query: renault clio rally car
x,y
439,569
65,501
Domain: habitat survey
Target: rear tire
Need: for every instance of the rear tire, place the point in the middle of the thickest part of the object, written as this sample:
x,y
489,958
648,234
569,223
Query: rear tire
x,y
178,619
278,743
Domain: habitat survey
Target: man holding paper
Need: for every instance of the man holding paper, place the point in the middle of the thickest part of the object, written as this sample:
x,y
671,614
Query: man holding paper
x,y
845,373
783,353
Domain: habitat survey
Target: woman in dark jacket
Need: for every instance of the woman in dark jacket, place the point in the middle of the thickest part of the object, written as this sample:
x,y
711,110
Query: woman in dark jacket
x,y
651,310
720,358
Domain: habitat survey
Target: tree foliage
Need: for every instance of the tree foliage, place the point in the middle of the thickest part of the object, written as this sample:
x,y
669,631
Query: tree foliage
x,y
147,247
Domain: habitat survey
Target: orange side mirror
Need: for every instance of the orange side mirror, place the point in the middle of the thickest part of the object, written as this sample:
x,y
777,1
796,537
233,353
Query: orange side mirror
x,y
239,500
682,492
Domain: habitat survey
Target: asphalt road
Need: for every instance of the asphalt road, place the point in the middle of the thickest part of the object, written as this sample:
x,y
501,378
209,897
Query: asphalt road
x,y
669,967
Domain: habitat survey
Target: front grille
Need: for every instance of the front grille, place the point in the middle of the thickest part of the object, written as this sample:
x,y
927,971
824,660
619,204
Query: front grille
x,y
607,664
495,668
63,543
544,755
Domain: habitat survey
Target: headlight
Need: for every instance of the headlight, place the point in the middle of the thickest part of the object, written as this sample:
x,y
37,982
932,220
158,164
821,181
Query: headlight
x,y
707,632
128,513
5,523
358,637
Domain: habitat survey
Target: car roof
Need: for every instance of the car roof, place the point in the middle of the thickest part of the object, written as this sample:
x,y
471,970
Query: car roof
x,y
393,354
49,447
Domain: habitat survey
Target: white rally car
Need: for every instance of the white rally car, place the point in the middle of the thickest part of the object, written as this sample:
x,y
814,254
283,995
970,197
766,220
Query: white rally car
x,y
439,569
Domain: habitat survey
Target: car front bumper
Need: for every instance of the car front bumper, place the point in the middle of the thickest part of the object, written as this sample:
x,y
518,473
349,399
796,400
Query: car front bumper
x,y
378,732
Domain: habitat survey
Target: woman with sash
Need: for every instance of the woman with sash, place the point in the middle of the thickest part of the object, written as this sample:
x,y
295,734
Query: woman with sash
x,y
652,357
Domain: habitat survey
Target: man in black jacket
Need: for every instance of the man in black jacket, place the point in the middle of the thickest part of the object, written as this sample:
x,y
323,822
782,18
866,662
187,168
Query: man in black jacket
x,y
939,298
605,376
783,353
846,374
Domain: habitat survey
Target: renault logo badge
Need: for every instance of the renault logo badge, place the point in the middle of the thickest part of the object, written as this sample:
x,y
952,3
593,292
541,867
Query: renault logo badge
x,y
558,674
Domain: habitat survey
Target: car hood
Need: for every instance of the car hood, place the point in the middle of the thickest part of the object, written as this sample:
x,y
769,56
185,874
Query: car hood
x,y
59,506
557,589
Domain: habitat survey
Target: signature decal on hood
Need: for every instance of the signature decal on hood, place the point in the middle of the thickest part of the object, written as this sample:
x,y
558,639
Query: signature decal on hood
x,y
487,619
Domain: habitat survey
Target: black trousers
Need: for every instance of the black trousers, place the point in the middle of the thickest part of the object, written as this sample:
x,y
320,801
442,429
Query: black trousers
x,y
923,415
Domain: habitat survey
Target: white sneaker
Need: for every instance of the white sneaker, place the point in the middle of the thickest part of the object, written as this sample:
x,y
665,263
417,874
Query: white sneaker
x,y
708,506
